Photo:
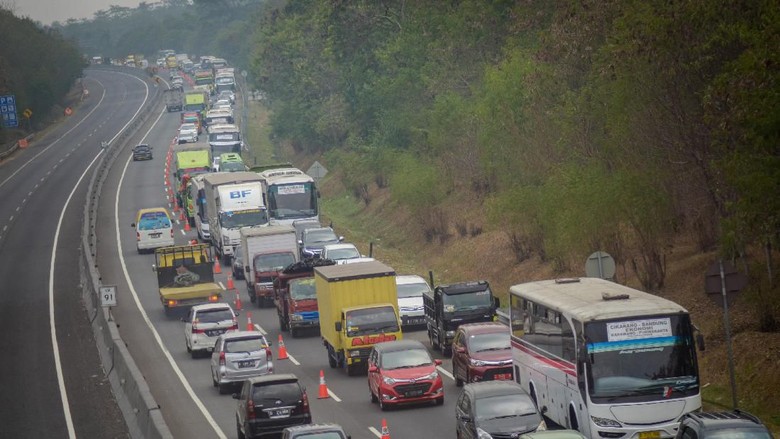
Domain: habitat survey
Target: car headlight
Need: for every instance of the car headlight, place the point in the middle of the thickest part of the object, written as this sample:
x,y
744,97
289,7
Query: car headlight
x,y
353,354
604,422
226,240
431,376
296,317
482,434
388,380
450,333
476,363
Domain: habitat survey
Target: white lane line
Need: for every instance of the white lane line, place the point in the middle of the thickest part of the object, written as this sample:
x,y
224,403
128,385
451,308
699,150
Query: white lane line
x,y
57,140
183,232
11,218
223,287
260,329
333,395
445,372
52,322
157,338
375,431
5,228
294,361
17,208
29,193
24,200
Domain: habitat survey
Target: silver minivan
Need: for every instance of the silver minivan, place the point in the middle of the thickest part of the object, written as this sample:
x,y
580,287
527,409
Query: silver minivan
x,y
240,355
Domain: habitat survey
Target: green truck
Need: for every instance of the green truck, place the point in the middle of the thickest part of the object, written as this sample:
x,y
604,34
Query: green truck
x,y
196,101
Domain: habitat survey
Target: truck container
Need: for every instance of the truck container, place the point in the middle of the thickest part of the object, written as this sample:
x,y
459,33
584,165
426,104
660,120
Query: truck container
x,y
358,308
185,276
295,296
266,251
449,306
174,99
233,200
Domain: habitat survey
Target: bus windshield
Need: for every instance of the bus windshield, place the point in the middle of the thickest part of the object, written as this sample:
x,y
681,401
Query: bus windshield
x,y
243,218
292,200
467,301
641,359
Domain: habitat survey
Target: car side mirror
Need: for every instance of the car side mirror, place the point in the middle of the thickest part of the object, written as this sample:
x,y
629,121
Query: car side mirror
x,y
372,369
154,268
337,325
341,238
465,418
437,362
497,302
460,349
300,242
237,313
132,225
236,396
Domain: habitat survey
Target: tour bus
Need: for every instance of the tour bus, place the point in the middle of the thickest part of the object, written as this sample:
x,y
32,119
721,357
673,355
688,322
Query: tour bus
x,y
604,359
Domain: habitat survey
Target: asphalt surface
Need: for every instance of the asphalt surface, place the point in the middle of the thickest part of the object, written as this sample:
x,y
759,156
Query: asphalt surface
x,y
182,386
42,193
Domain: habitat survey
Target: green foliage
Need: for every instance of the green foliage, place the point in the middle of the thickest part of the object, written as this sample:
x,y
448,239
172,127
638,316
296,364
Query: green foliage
x,y
415,184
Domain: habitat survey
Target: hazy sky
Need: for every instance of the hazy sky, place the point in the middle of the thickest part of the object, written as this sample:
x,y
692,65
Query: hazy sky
x,y
47,11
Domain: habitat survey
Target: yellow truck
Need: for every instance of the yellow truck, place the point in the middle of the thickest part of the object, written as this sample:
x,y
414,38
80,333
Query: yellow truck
x,y
358,307
185,276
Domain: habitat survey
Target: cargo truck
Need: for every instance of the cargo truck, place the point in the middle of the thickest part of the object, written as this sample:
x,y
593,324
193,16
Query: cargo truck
x,y
233,200
196,101
174,99
185,276
358,308
295,296
191,159
266,250
449,306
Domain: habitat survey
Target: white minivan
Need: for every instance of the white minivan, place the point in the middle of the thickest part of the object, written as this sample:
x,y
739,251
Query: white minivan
x,y
153,229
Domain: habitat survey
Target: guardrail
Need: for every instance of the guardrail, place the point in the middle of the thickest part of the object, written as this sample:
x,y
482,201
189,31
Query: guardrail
x,y
141,411
14,147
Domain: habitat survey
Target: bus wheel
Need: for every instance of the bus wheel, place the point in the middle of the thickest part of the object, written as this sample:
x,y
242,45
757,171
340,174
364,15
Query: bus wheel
x,y
573,424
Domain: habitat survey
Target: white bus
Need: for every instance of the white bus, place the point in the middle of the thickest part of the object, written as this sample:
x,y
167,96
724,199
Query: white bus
x,y
604,359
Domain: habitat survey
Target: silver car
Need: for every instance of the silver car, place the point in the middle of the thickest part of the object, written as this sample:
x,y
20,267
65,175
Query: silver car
x,y
238,356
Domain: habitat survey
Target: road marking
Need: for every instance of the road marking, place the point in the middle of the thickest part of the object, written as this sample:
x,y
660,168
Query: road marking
x,y
11,218
29,193
294,361
5,228
17,208
221,286
24,200
183,232
137,300
375,431
52,322
259,329
333,395
445,372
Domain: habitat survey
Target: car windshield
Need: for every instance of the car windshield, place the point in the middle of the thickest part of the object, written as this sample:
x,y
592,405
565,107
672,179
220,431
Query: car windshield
x,y
301,289
273,262
738,433
142,148
187,127
343,253
319,236
412,290
496,341
213,315
467,301
318,435
406,358
287,392
154,221
504,406
252,344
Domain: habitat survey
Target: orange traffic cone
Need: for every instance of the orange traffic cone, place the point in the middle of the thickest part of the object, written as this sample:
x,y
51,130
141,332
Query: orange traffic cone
x,y
238,301
217,266
186,225
282,350
323,387
385,431
249,325
181,214
230,284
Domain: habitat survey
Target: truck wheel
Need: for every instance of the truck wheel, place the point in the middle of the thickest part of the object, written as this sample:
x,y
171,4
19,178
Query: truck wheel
x,y
332,361
434,343
294,332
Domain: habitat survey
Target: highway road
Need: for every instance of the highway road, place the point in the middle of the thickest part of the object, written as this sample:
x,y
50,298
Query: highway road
x,y
51,380
182,386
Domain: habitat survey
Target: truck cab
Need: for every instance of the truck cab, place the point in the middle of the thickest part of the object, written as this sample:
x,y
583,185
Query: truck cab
x,y
295,296
449,306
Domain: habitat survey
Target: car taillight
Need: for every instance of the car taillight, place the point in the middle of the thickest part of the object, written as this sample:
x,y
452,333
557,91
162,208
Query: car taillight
x,y
305,401
268,354
197,330
213,298
137,236
234,327
250,409
221,358
171,302
171,233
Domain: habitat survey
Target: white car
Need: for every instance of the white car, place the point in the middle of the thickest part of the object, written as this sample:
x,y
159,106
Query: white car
x,y
188,132
205,323
410,299
340,252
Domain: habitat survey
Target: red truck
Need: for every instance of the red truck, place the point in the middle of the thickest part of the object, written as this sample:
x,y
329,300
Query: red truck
x,y
295,296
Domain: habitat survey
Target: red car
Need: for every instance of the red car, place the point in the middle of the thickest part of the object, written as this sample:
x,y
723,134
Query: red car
x,y
403,372
481,352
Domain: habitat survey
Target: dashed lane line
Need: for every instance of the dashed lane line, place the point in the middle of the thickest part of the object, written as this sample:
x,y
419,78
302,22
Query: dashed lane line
x,y
445,372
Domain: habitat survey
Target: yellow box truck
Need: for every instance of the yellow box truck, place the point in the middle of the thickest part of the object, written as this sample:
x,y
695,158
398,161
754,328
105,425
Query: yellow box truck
x,y
358,307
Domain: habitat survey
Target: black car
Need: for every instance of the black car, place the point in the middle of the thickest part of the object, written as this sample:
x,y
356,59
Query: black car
x,y
270,403
704,425
501,409
315,431
313,240
142,152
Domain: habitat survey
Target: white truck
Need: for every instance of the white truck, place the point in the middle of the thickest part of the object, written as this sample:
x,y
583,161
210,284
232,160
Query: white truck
x,y
290,195
266,251
233,200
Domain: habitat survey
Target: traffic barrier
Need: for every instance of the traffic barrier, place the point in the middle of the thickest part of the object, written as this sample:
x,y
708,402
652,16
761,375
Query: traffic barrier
x,y
323,387
238,301
217,267
230,284
282,350
249,325
385,430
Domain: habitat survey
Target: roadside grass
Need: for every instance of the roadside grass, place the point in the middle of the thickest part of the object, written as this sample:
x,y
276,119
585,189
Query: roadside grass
x,y
258,135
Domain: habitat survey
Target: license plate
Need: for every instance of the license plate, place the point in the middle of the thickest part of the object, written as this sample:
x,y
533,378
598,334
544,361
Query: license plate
x,y
155,235
215,332
245,363
503,376
413,393
279,413
649,435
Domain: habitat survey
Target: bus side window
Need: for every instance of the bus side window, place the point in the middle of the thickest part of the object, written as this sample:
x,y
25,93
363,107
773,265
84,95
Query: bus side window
x,y
517,315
